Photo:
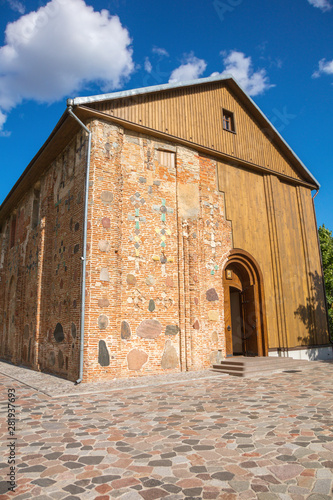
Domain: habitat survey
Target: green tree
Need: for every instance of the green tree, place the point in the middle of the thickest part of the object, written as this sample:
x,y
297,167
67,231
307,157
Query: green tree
x,y
326,245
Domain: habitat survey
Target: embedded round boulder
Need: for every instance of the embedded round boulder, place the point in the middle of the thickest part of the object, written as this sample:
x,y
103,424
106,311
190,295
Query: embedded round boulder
x,y
103,354
104,246
131,279
59,333
136,359
103,322
196,325
151,306
170,357
125,331
106,222
106,197
171,330
215,337
211,295
149,329
103,302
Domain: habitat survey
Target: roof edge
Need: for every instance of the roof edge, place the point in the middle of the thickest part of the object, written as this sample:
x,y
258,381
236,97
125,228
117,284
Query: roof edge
x,y
146,90
198,81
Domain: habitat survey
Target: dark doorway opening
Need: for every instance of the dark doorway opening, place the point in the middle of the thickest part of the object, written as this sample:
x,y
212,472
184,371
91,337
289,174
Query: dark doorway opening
x,y
244,311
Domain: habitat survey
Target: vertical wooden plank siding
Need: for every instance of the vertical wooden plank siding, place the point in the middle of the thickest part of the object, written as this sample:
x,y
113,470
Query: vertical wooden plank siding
x,y
246,208
316,284
293,267
195,114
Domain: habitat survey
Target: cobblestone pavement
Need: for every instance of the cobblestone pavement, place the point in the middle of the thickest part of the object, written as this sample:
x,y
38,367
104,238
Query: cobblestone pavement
x,y
195,435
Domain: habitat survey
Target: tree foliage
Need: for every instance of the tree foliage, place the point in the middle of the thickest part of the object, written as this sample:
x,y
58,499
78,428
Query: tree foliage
x,y
326,245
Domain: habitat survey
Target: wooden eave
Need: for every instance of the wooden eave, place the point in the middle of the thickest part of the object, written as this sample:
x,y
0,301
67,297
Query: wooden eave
x,y
129,96
84,113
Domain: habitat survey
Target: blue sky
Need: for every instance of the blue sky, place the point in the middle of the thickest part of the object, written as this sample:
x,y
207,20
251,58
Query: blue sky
x,y
280,51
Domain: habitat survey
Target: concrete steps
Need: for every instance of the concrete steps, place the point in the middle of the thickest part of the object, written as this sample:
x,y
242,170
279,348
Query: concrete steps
x,y
241,366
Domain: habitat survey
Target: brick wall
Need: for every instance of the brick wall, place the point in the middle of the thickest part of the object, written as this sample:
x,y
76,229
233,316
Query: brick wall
x,y
41,273
158,242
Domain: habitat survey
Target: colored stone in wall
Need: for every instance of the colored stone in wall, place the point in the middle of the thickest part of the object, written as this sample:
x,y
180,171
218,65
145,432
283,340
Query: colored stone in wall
x,y
196,325
213,315
77,226
150,280
211,295
103,354
103,322
171,330
104,302
136,359
151,306
73,330
215,337
149,329
76,248
107,197
106,222
170,358
131,279
125,331
104,274
58,333
104,246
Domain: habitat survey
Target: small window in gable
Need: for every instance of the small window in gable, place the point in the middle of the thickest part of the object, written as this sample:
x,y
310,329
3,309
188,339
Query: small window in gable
x,y
35,209
228,120
166,158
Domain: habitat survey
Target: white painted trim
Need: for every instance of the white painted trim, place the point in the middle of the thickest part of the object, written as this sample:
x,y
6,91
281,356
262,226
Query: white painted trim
x,y
307,353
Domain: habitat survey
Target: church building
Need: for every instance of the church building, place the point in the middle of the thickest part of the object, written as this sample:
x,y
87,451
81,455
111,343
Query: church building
x,y
160,230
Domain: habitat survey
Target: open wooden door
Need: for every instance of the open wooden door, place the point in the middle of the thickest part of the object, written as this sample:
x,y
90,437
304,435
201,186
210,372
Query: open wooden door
x,y
242,280
249,321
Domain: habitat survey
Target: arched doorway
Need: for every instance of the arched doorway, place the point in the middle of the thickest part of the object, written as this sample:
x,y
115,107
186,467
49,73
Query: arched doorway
x,y
244,306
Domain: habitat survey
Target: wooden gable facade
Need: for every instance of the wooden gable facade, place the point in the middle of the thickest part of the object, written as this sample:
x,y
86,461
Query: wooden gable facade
x,y
267,194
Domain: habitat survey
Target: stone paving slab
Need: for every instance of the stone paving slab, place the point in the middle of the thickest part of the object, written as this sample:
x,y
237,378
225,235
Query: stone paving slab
x,y
203,437
54,386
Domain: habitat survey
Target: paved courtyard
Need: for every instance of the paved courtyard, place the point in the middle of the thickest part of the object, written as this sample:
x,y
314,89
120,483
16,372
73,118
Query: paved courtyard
x,y
194,435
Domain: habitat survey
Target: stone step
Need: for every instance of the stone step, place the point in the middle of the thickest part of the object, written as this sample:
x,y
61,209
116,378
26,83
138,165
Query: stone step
x,y
255,366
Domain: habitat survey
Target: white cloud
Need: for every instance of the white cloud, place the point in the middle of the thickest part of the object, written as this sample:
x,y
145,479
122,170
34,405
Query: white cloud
x,y
3,119
240,67
59,49
148,66
161,52
323,5
16,6
192,68
325,67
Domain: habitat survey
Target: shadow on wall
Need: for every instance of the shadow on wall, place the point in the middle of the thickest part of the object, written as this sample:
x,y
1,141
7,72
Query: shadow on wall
x,y
313,316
